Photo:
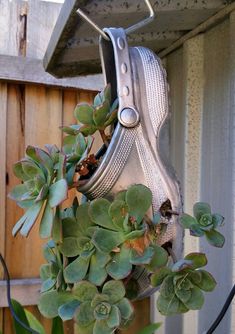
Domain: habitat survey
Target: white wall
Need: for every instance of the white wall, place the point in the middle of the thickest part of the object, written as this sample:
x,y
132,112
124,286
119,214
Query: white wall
x,y
201,76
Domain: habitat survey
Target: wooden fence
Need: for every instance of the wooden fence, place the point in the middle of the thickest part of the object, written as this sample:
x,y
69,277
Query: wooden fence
x,y
33,105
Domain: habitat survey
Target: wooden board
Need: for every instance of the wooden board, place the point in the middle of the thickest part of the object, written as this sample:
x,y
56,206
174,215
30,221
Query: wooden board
x,y
41,19
30,71
3,130
12,14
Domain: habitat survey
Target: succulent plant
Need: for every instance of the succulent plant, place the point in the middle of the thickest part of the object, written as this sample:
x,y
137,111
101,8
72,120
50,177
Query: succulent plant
x,y
99,241
52,272
204,223
102,313
43,188
77,242
123,231
181,285
76,148
94,117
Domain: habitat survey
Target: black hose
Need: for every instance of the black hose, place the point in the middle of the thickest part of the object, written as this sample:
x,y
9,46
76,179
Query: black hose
x,y
223,311
15,316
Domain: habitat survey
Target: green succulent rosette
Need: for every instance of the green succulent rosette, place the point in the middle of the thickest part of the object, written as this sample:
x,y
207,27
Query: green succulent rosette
x,y
77,242
181,285
43,188
94,312
123,231
204,223
102,313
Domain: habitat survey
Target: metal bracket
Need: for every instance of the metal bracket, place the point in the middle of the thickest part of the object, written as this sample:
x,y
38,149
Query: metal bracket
x,y
127,30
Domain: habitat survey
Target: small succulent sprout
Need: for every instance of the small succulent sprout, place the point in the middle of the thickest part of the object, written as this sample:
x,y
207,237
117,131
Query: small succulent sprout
x,y
204,223
123,231
77,242
101,313
97,116
43,188
181,285
76,148
52,272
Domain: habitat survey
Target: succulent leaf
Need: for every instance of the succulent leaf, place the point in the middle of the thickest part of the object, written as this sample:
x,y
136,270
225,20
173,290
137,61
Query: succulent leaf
x,y
85,314
67,311
84,113
100,113
207,282
84,291
198,259
196,301
26,222
76,270
101,327
58,193
120,267
158,277
114,319
97,274
126,308
215,238
188,221
70,247
217,220
107,240
144,258
50,302
168,306
46,222
99,213
117,211
115,290
158,260
138,199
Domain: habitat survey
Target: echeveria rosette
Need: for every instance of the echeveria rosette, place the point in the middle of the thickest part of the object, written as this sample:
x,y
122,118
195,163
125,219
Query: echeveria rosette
x,y
204,223
181,285
77,242
123,232
101,313
76,148
43,188
94,117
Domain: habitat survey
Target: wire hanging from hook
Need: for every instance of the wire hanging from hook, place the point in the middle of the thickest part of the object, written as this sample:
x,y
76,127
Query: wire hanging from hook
x,y
128,30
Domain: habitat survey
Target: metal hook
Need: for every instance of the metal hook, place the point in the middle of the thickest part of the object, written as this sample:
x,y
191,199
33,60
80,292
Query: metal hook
x,y
128,30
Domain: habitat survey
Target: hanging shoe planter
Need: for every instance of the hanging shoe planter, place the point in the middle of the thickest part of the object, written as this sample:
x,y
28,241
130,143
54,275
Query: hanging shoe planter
x,y
124,241
133,156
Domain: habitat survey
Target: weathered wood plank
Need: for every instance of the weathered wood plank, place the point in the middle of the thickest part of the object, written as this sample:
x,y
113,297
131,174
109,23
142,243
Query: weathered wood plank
x,y
31,71
3,130
41,20
15,248
43,116
12,27
25,291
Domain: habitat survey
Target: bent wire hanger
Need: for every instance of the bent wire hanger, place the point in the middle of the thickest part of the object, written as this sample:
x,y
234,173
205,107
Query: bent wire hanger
x,y
128,30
